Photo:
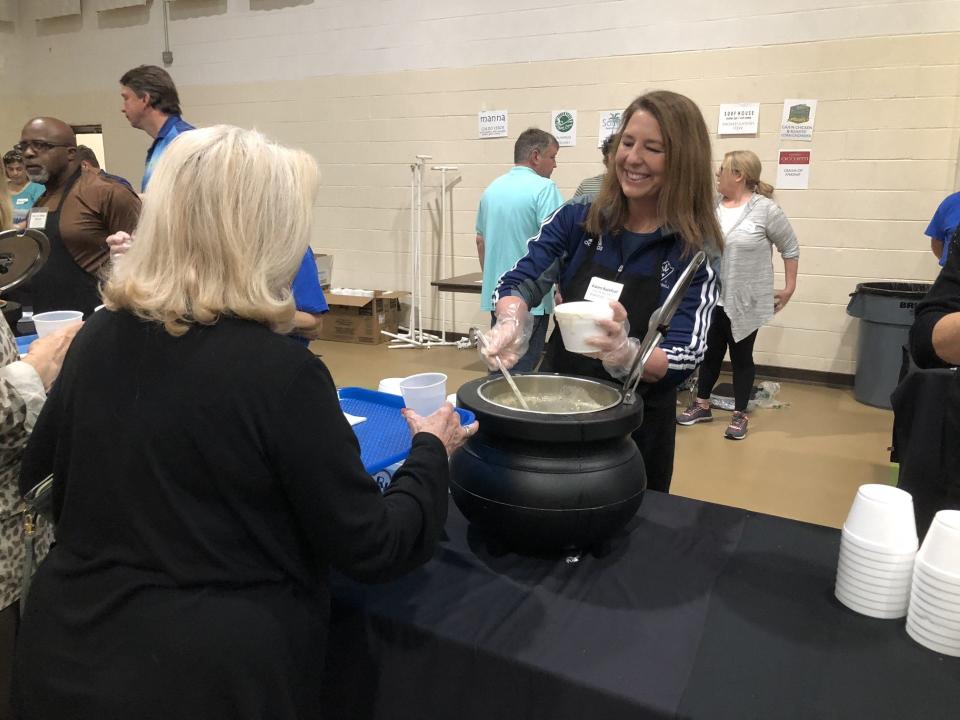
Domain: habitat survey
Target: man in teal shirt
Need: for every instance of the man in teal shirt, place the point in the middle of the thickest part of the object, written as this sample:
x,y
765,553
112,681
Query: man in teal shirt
x,y
512,210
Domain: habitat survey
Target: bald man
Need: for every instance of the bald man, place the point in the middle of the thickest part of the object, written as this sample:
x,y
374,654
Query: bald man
x,y
76,212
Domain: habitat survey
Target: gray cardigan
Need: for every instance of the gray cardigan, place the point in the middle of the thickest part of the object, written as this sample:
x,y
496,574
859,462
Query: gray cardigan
x,y
746,266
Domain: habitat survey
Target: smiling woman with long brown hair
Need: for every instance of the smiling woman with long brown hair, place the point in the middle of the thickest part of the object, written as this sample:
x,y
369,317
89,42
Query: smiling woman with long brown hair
x,y
653,212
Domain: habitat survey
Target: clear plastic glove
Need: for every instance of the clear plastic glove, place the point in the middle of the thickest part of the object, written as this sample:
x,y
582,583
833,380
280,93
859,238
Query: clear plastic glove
x,y
444,424
618,351
509,338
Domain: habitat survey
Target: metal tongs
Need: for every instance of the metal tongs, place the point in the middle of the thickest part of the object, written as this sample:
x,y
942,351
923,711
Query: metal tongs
x,y
658,325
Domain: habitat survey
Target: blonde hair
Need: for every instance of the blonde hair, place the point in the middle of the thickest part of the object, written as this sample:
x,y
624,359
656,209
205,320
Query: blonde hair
x,y
686,201
6,207
223,230
747,164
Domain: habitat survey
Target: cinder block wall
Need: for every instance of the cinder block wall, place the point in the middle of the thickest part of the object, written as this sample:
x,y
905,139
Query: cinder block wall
x,y
367,86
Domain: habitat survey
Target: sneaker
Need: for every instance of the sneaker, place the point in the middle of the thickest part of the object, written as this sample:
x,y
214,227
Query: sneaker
x,y
694,414
737,429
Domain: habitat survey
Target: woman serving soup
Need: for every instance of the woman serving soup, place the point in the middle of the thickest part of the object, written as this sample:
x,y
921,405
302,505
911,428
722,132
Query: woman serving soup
x,y
653,213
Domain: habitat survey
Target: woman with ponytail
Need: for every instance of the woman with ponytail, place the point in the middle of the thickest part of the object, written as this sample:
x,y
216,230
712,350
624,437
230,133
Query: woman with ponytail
x,y
752,224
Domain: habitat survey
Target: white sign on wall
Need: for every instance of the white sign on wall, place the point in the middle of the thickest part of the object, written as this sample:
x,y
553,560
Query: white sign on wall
x,y
563,125
738,119
492,123
797,120
793,170
609,124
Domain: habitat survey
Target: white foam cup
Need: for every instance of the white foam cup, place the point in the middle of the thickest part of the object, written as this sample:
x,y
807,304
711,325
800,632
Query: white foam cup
x,y
865,559
890,611
391,386
578,321
920,603
424,393
49,322
939,580
941,546
888,577
871,586
939,645
882,516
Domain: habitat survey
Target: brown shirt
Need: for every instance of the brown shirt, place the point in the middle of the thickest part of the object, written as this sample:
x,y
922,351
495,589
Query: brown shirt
x,y
94,208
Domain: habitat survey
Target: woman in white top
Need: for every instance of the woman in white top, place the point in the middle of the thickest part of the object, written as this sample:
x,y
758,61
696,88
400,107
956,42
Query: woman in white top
x,y
752,225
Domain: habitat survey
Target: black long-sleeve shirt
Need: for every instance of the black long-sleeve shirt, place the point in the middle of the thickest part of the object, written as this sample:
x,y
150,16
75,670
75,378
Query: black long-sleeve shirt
x,y
943,299
203,486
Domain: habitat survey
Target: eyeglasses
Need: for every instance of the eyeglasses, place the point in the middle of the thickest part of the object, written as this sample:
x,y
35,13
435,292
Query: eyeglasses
x,y
38,146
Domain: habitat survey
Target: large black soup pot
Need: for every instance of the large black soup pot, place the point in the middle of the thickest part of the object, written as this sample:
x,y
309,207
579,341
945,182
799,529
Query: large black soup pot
x,y
547,481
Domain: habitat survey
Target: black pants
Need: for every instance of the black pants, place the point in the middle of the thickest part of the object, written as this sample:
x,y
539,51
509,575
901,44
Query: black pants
x,y
719,339
656,439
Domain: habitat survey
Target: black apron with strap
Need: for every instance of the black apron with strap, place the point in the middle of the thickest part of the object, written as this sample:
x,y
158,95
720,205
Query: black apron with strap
x,y
61,284
655,438
640,297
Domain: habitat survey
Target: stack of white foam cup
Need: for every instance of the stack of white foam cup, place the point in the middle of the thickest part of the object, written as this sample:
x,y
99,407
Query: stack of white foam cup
x,y
934,616
877,550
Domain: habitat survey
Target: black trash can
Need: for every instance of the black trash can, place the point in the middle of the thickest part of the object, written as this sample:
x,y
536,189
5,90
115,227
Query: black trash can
x,y
886,310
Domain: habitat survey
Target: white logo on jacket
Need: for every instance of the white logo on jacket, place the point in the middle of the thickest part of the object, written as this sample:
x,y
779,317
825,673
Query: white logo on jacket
x,y
666,270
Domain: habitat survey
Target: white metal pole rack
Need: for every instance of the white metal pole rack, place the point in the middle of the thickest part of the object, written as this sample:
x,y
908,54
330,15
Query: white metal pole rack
x,y
413,335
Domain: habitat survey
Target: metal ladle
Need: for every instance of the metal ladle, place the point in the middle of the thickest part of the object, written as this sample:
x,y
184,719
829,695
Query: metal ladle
x,y
481,340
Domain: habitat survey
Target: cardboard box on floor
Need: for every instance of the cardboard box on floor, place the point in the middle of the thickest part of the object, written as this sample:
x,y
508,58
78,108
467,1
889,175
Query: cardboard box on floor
x,y
324,269
360,319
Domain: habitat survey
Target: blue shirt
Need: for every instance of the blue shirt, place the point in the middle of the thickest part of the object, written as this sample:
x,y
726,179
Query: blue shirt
x,y
512,209
24,200
945,222
170,129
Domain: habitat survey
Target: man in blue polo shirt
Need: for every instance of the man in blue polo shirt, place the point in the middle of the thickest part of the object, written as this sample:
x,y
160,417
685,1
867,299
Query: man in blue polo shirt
x,y
151,103
944,224
512,210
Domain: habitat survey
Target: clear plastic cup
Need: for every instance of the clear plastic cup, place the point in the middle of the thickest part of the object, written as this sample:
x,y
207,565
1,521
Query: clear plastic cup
x,y
881,518
49,322
941,546
424,393
578,321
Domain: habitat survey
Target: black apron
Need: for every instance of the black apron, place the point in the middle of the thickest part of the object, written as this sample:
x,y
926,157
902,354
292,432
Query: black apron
x,y
640,297
61,284
656,437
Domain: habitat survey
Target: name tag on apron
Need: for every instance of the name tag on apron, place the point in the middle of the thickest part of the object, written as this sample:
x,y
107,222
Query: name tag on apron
x,y
601,290
37,219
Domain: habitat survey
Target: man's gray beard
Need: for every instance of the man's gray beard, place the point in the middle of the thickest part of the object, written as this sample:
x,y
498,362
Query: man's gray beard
x,y
39,177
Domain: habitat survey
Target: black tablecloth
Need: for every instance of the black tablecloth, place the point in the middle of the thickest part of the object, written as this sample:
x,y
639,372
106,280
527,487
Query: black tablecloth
x,y
698,611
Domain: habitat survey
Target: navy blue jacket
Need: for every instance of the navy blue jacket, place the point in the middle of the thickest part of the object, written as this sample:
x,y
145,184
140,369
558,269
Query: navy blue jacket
x,y
563,245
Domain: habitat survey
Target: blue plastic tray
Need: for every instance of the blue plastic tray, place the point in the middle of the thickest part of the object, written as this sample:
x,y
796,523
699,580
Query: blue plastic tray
x,y
384,437
23,343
